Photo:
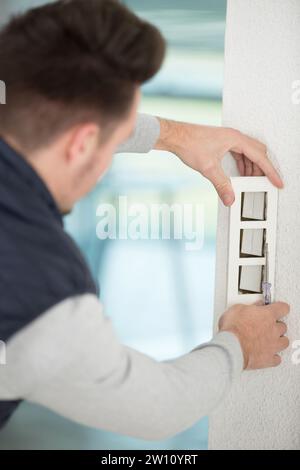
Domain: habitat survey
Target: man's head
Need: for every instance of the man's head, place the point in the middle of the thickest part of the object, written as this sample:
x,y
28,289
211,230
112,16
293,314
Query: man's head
x,y
73,71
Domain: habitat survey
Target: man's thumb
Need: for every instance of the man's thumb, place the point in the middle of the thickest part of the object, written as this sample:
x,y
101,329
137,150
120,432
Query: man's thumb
x,y
223,185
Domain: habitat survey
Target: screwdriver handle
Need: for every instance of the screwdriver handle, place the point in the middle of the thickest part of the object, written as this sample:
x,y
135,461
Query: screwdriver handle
x,y
266,286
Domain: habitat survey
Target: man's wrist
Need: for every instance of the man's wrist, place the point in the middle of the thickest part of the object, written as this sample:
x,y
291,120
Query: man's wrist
x,y
171,136
236,333
232,344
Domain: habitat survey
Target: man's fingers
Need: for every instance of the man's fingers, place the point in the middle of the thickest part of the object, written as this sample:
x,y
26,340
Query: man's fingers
x,y
241,167
248,167
257,171
242,162
266,166
282,328
222,184
239,162
279,309
283,343
276,361
257,153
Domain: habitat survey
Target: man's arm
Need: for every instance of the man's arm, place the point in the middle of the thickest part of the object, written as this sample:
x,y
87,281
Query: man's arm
x,y
203,148
70,361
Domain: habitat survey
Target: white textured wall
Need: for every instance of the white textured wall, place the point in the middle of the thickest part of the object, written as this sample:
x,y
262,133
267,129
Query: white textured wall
x,y
262,61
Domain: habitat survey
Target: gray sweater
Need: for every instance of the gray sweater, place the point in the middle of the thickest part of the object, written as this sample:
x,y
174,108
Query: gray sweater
x,y
70,360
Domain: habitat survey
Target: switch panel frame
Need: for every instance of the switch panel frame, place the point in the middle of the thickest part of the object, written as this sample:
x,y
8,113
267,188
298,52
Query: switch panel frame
x,y
245,184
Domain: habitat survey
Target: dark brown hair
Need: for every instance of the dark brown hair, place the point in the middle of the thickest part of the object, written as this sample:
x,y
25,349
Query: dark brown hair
x,y
72,61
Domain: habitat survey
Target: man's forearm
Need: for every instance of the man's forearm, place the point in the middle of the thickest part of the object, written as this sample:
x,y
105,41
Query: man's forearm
x,y
76,367
153,133
172,135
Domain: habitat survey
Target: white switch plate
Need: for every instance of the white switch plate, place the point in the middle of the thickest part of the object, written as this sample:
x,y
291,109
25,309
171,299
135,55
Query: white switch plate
x,y
251,278
254,205
253,184
252,242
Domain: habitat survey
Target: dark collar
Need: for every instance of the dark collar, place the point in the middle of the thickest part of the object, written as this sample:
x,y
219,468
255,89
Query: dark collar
x,y
19,165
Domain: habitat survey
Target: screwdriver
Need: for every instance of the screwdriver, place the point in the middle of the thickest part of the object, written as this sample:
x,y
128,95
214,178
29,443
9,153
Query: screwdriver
x,y
266,286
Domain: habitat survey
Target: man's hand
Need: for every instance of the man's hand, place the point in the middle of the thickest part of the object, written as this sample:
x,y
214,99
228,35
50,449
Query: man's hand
x,y
259,331
203,147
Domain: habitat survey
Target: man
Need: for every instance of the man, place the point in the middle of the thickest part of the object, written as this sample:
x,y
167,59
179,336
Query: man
x,y
73,71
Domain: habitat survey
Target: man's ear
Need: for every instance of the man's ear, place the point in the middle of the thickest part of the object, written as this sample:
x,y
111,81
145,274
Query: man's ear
x,y
83,143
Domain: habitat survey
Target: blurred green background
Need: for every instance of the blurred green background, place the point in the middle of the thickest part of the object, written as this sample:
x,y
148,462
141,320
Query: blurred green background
x,y
159,296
